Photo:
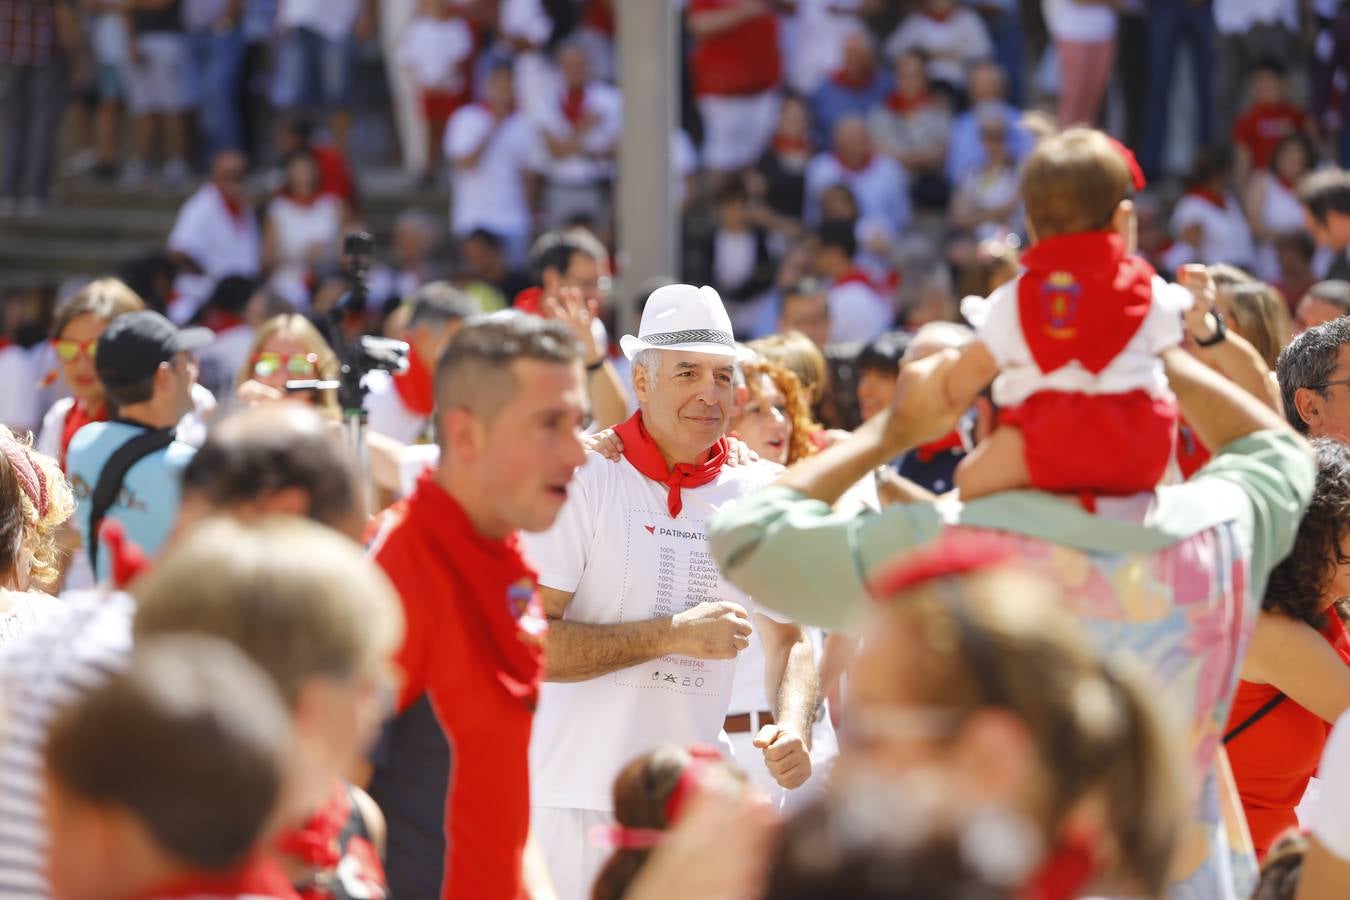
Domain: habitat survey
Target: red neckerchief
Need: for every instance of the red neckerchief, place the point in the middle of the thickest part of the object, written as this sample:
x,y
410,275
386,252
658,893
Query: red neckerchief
x,y
854,276
926,452
498,598
1286,183
1214,197
849,167
641,451
528,300
786,146
415,387
5,342
599,15
849,83
219,320
77,418
939,17
315,843
258,877
903,105
233,207
1081,298
1064,873
574,104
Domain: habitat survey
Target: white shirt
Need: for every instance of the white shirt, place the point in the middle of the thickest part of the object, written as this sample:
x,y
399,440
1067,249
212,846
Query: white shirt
x,y
1137,367
332,20
1236,16
1329,822
217,241
386,413
74,652
857,312
881,188
1227,238
432,51
490,195
683,163
626,560
951,44
1068,20
600,100
813,41
18,389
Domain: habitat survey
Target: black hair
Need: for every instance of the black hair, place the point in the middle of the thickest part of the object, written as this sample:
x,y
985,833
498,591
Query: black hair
x,y
840,235
883,354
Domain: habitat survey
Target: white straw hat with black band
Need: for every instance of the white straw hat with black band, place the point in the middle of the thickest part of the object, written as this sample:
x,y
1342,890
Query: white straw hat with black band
x,y
687,318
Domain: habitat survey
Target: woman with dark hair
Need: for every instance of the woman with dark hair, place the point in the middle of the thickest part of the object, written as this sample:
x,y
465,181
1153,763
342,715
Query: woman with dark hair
x,y
1271,200
1296,675
302,230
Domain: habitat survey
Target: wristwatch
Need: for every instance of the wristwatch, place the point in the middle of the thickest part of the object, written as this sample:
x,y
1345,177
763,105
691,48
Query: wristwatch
x,y
1220,332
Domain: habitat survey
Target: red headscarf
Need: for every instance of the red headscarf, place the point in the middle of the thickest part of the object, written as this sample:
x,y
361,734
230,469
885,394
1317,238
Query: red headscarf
x,y
1081,298
640,450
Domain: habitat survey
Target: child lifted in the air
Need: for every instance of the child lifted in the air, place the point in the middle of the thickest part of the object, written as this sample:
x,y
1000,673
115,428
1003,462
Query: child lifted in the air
x,y
1072,344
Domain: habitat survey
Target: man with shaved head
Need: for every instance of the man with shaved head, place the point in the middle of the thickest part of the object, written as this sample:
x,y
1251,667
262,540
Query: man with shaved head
x,y
509,412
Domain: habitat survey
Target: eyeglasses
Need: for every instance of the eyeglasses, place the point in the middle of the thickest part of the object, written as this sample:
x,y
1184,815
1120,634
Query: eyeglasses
x,y
1327,384
301,365
69,349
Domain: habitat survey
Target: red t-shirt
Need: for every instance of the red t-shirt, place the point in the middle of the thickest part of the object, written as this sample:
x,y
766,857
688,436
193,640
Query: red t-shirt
x,y
740,61
1261,128
474,645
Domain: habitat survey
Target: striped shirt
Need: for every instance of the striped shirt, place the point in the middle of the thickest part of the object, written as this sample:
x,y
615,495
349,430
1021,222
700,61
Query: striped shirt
x,y
41,673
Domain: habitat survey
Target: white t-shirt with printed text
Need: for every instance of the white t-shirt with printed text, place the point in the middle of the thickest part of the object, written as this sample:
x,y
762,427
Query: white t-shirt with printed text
x,y
625,559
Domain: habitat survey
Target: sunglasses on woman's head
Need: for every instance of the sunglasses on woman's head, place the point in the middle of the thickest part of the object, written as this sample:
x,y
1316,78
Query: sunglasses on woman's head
x,y
69,349
301,365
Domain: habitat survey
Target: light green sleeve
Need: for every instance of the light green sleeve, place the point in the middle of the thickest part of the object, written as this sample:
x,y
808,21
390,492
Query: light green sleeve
x,y
800,558
1276,472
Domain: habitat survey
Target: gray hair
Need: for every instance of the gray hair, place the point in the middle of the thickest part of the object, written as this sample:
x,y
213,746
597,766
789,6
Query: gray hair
x,y
650,359
1308,362
440,303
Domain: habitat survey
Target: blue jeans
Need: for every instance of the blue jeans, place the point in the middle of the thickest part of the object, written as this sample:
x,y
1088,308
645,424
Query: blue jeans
x,y
1169,23
313,74
1005,31
220,64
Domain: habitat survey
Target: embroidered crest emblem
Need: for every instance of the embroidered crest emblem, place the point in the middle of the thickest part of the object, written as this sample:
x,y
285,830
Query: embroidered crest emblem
x,y
1059,306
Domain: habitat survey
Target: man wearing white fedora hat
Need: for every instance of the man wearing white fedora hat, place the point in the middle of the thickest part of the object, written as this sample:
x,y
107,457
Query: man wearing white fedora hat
x,y
644,633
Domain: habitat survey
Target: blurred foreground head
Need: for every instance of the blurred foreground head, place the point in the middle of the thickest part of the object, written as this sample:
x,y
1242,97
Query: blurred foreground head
x,y
172,768
306,606
975,677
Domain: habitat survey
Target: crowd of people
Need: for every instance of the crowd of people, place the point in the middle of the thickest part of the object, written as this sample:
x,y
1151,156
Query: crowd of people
x,y
326,576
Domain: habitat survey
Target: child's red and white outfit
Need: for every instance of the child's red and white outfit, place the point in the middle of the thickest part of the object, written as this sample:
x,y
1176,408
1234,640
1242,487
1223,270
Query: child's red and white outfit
x,y
1076,337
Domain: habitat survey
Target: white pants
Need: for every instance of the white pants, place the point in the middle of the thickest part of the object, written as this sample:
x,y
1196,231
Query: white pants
x,y
408,118
564,837
736,130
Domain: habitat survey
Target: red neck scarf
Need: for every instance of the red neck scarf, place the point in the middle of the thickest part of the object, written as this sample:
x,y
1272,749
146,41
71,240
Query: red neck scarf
x,y
235,209
855,169
926,452
77,418
574,104
854,83
939,16
640,450
495,593
1081,298
854,276
527,301
415,387
1212,196
787,146
258,877
1064,873
219,320
315,843
904,105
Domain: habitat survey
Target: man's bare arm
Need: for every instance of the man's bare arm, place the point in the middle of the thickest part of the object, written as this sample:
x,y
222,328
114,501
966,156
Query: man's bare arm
x,y
578,651
789,673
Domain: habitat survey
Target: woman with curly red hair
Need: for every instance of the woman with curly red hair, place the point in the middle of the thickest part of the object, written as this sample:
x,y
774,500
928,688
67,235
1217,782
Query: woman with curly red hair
x,y
776,422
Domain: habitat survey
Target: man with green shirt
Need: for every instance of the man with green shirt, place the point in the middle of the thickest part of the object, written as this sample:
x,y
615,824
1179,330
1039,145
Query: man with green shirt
x,y
1172,579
